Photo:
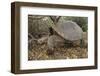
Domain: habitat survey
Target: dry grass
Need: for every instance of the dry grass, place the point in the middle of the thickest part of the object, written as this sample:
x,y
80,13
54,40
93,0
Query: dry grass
x,y
40,52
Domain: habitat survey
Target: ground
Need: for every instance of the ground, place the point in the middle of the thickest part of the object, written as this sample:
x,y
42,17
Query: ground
x,y
40,52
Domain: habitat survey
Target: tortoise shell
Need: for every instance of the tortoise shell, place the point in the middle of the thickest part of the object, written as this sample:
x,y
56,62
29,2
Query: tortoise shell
x,y
69,30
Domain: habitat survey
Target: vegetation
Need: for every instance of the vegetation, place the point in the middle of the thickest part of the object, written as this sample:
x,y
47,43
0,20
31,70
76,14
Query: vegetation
x,y
81,21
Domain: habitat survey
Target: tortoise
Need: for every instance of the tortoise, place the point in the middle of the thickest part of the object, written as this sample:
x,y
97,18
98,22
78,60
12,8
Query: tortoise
x,y
54,40
68,30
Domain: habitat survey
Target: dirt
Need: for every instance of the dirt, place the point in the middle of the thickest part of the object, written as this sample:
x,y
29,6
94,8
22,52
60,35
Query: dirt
x,y
41,52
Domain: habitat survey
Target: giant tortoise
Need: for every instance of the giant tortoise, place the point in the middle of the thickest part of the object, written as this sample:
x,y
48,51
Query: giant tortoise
x,y
68,30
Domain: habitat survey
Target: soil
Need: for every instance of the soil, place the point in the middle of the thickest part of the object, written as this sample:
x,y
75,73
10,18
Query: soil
x,y
41,52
